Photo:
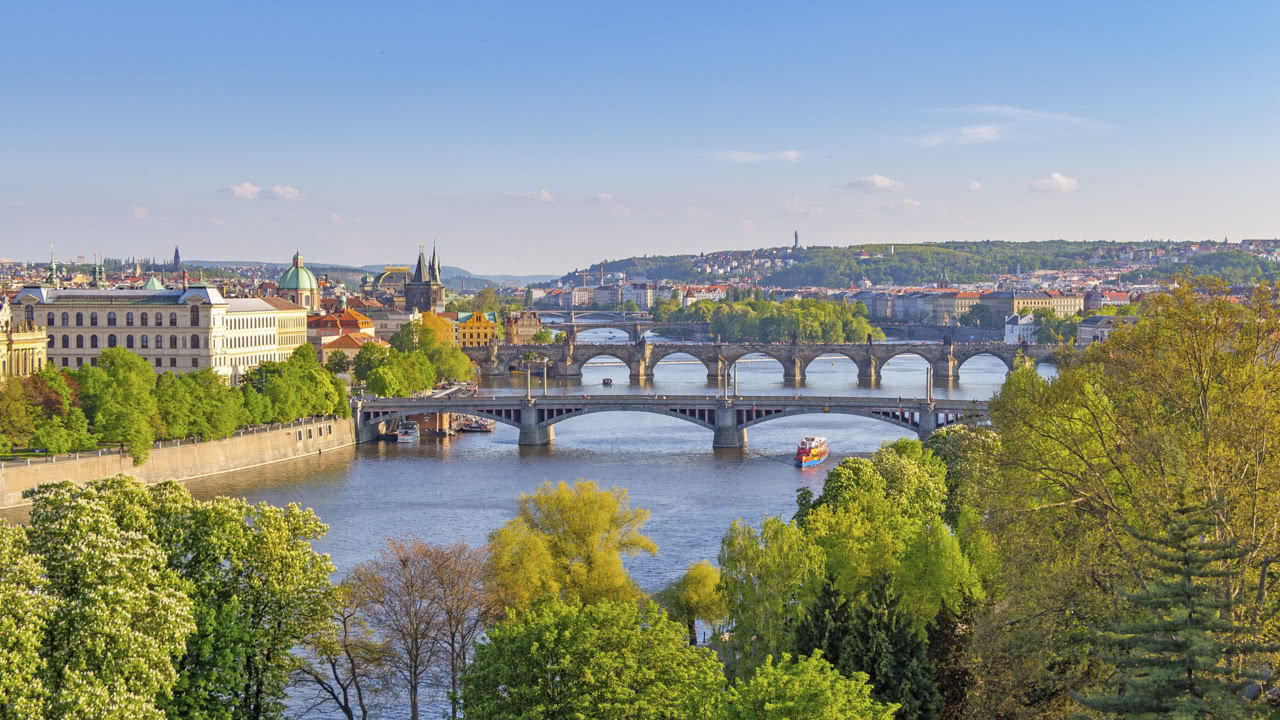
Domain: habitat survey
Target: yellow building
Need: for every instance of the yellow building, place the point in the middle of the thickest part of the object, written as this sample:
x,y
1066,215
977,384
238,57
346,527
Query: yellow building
x,y
23,343
475,329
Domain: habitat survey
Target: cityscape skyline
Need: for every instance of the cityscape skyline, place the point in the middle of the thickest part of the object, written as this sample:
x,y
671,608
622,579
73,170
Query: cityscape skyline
x,y
532,140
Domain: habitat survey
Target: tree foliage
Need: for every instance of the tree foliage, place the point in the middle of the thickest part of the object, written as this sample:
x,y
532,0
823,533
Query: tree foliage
x,y
569,541
695,596
807,687
611,660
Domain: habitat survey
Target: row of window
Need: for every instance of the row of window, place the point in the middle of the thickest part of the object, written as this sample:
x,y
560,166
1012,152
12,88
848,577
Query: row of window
x,y
173,362
251,323
251,341
144,342
128,319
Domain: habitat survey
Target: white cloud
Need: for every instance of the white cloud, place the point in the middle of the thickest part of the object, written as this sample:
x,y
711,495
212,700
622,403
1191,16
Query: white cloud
x,y
748,156
245,191
974,186
140,213
286,192
336,219
612,203
1054,182
875,183
543,195
795,207
1011,111
976,134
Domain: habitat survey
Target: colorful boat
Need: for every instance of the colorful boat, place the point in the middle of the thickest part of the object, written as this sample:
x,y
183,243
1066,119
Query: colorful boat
x,y
475,424
408,432
811,451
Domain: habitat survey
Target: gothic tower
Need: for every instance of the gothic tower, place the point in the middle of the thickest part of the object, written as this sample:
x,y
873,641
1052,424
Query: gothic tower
x,y
425,290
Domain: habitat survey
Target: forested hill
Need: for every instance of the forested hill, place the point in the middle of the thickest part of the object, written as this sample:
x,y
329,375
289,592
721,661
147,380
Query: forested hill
x,y
922,264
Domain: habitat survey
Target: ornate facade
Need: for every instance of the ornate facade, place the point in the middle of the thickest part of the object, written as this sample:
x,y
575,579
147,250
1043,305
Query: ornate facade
x,y
23,343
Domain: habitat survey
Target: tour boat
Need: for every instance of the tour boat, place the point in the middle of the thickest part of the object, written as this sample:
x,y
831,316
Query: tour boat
x,y
811,451
475,424
408,432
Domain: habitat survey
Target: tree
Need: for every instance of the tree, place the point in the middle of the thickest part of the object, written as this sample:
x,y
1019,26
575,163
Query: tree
x,y
542,337
344,663
396,589
25,610
370,356
71,433
337,363
1174,659
123,402
979,315
886,644
695,596
121,616
16,417
576,538
970,455
386,382
768,580
466,605
809,688
614,660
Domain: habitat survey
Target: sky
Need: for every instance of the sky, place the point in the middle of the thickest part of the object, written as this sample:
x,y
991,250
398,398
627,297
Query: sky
x,y
541,137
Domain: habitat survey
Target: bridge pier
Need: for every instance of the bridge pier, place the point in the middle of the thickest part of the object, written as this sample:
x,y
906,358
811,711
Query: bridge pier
x,y
727,432
928,421
945,369
530,432
868,372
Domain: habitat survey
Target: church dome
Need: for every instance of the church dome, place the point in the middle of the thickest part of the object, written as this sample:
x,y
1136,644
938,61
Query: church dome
x,y
298,277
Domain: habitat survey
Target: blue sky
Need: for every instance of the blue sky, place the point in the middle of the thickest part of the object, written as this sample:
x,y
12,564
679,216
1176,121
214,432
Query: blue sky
x,y
538,137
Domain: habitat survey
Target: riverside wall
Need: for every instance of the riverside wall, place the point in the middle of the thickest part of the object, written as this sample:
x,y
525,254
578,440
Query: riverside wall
x,y
182,459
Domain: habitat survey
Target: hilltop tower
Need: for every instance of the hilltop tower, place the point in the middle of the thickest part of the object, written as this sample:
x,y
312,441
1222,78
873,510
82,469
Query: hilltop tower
x,y
425,291
177,259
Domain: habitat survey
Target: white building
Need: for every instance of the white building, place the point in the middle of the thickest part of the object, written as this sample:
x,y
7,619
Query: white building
x,y
1019,329
178,330
639,293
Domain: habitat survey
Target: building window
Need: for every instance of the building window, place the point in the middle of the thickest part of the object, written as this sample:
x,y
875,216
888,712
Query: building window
x,y
51,345
79,362
79,342
299,436
195,362
159,342
111,319
173,342
79,319
50,320
195,316
128,319
93,319
173,362
111,341
195,342
128,341
173,319
93,361
159,320
157,362
64,319
93,342
66,341
64,362
143,317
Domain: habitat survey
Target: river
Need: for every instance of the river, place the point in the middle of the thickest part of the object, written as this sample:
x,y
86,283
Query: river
x,y
461,488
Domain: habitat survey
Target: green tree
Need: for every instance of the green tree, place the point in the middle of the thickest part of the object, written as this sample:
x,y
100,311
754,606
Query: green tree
x,y
338,363
344,663
569,541
768,580
979,315
26,607
386,382
370,356
614,660
809,688
121,616
176,406
695,596
889,647
64,434
120,402
1174,658
17,422
542,337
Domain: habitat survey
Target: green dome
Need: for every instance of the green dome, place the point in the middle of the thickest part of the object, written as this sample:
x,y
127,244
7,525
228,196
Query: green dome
x,y
153,283
298,277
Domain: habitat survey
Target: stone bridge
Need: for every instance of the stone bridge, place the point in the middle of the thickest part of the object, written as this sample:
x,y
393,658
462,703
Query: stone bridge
x,y
727,417
567,359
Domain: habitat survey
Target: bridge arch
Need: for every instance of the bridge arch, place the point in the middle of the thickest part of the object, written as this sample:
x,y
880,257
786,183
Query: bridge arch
x,y
846,354
657,355
961,359
699,421
906,419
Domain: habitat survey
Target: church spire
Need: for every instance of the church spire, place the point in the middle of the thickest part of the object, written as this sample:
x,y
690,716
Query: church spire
x,y
421,273
435,265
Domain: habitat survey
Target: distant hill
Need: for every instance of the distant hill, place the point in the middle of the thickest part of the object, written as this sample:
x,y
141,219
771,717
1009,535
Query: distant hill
x,y
449,272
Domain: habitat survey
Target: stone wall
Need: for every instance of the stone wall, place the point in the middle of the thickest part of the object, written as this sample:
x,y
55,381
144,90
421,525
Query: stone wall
x,y
182,459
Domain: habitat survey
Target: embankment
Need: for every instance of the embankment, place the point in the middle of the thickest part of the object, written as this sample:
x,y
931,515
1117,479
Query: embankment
x,y
182,459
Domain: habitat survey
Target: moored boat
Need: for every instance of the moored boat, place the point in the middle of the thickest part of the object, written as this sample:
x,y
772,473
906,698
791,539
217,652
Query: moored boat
x,y
407,432
811,451
475,424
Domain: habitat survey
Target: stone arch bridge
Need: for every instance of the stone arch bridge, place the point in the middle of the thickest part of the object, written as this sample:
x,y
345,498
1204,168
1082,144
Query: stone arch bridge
x,y
727,417
567,359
